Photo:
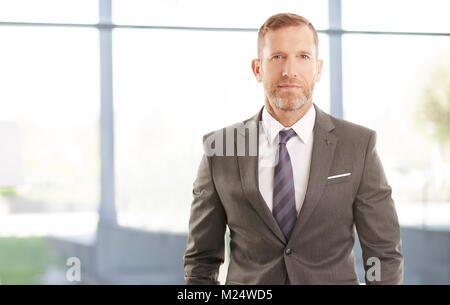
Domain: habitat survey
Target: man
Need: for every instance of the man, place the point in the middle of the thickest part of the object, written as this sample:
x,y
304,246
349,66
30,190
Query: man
x,y
292,204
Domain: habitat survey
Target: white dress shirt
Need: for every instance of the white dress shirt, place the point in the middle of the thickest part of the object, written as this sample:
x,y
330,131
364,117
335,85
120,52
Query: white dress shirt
x,y
299,148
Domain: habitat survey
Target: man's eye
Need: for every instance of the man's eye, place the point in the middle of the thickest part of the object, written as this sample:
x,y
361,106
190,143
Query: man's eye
x,y
304,56
277,57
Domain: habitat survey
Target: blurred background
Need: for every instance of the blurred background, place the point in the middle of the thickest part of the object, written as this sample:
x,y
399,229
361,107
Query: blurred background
x,y
103,104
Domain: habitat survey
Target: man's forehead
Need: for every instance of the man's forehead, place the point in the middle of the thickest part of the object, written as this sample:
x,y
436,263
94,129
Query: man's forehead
x,y
298,37
296,32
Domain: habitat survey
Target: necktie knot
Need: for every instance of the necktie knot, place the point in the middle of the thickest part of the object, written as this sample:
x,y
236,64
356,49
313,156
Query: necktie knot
x,y
286,135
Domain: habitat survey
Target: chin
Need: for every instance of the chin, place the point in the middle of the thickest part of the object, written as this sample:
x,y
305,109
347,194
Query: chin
x,y
288,105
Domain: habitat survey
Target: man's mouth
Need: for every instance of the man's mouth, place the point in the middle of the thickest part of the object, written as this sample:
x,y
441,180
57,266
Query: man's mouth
x,y
289,86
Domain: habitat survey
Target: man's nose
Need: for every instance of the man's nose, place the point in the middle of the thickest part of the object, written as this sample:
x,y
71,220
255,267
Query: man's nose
x,y
289,69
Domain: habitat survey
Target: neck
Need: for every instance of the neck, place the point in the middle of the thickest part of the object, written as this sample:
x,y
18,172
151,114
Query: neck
x,y
287,118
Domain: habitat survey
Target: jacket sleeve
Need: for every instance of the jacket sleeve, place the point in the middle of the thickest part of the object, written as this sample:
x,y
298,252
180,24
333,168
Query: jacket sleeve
x,y
377,223
205,245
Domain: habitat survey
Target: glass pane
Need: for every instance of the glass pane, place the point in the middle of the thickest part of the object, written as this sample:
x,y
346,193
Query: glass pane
x,y
49,87
171,87
67,11
391,85
399,15
214,13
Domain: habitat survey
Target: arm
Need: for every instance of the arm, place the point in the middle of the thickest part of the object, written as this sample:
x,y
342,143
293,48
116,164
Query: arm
x,y
205,245
376,220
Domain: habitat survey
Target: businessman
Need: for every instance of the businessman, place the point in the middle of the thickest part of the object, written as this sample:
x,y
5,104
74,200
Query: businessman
x,y
292,183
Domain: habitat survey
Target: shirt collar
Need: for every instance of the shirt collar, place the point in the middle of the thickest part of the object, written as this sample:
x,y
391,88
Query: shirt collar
x,y
303,127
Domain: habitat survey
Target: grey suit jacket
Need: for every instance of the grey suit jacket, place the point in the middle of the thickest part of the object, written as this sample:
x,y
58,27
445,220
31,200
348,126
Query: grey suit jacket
x,y
320,249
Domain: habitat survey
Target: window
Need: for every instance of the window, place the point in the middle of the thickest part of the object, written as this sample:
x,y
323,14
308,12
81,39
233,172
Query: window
x,y
207,13
399,15
67,11
50,88
384,79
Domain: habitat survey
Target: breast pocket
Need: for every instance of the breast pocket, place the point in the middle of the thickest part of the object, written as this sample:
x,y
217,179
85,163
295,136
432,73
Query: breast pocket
x,y
339,178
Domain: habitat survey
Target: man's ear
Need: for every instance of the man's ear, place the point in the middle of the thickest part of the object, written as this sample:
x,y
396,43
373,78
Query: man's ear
x,y
256,68
319,69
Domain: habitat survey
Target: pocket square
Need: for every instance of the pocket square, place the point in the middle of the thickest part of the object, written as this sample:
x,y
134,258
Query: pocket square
x,y
337,176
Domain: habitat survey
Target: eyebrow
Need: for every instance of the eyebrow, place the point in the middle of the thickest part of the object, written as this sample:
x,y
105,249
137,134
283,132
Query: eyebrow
x,y
281,52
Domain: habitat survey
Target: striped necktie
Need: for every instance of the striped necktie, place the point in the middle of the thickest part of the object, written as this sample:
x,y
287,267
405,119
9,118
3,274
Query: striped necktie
x,y
284,192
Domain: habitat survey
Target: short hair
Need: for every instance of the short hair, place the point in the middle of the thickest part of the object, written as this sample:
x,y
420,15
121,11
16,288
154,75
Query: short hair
x,y
284,20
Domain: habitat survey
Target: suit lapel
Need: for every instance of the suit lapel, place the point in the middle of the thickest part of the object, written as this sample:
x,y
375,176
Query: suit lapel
x,y
248,168
322,155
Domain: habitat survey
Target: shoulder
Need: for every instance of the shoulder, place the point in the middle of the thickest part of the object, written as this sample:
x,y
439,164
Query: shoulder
x,y
350,136
350,129
354,141
351,132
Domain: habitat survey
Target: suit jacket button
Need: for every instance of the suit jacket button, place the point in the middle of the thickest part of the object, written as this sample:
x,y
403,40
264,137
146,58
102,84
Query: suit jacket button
x,y
288,251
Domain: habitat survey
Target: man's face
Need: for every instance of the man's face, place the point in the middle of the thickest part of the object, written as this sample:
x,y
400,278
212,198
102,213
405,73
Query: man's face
x,y
288,67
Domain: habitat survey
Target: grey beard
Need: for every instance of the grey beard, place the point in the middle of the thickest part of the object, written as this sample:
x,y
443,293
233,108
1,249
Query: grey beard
x,y
282,104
